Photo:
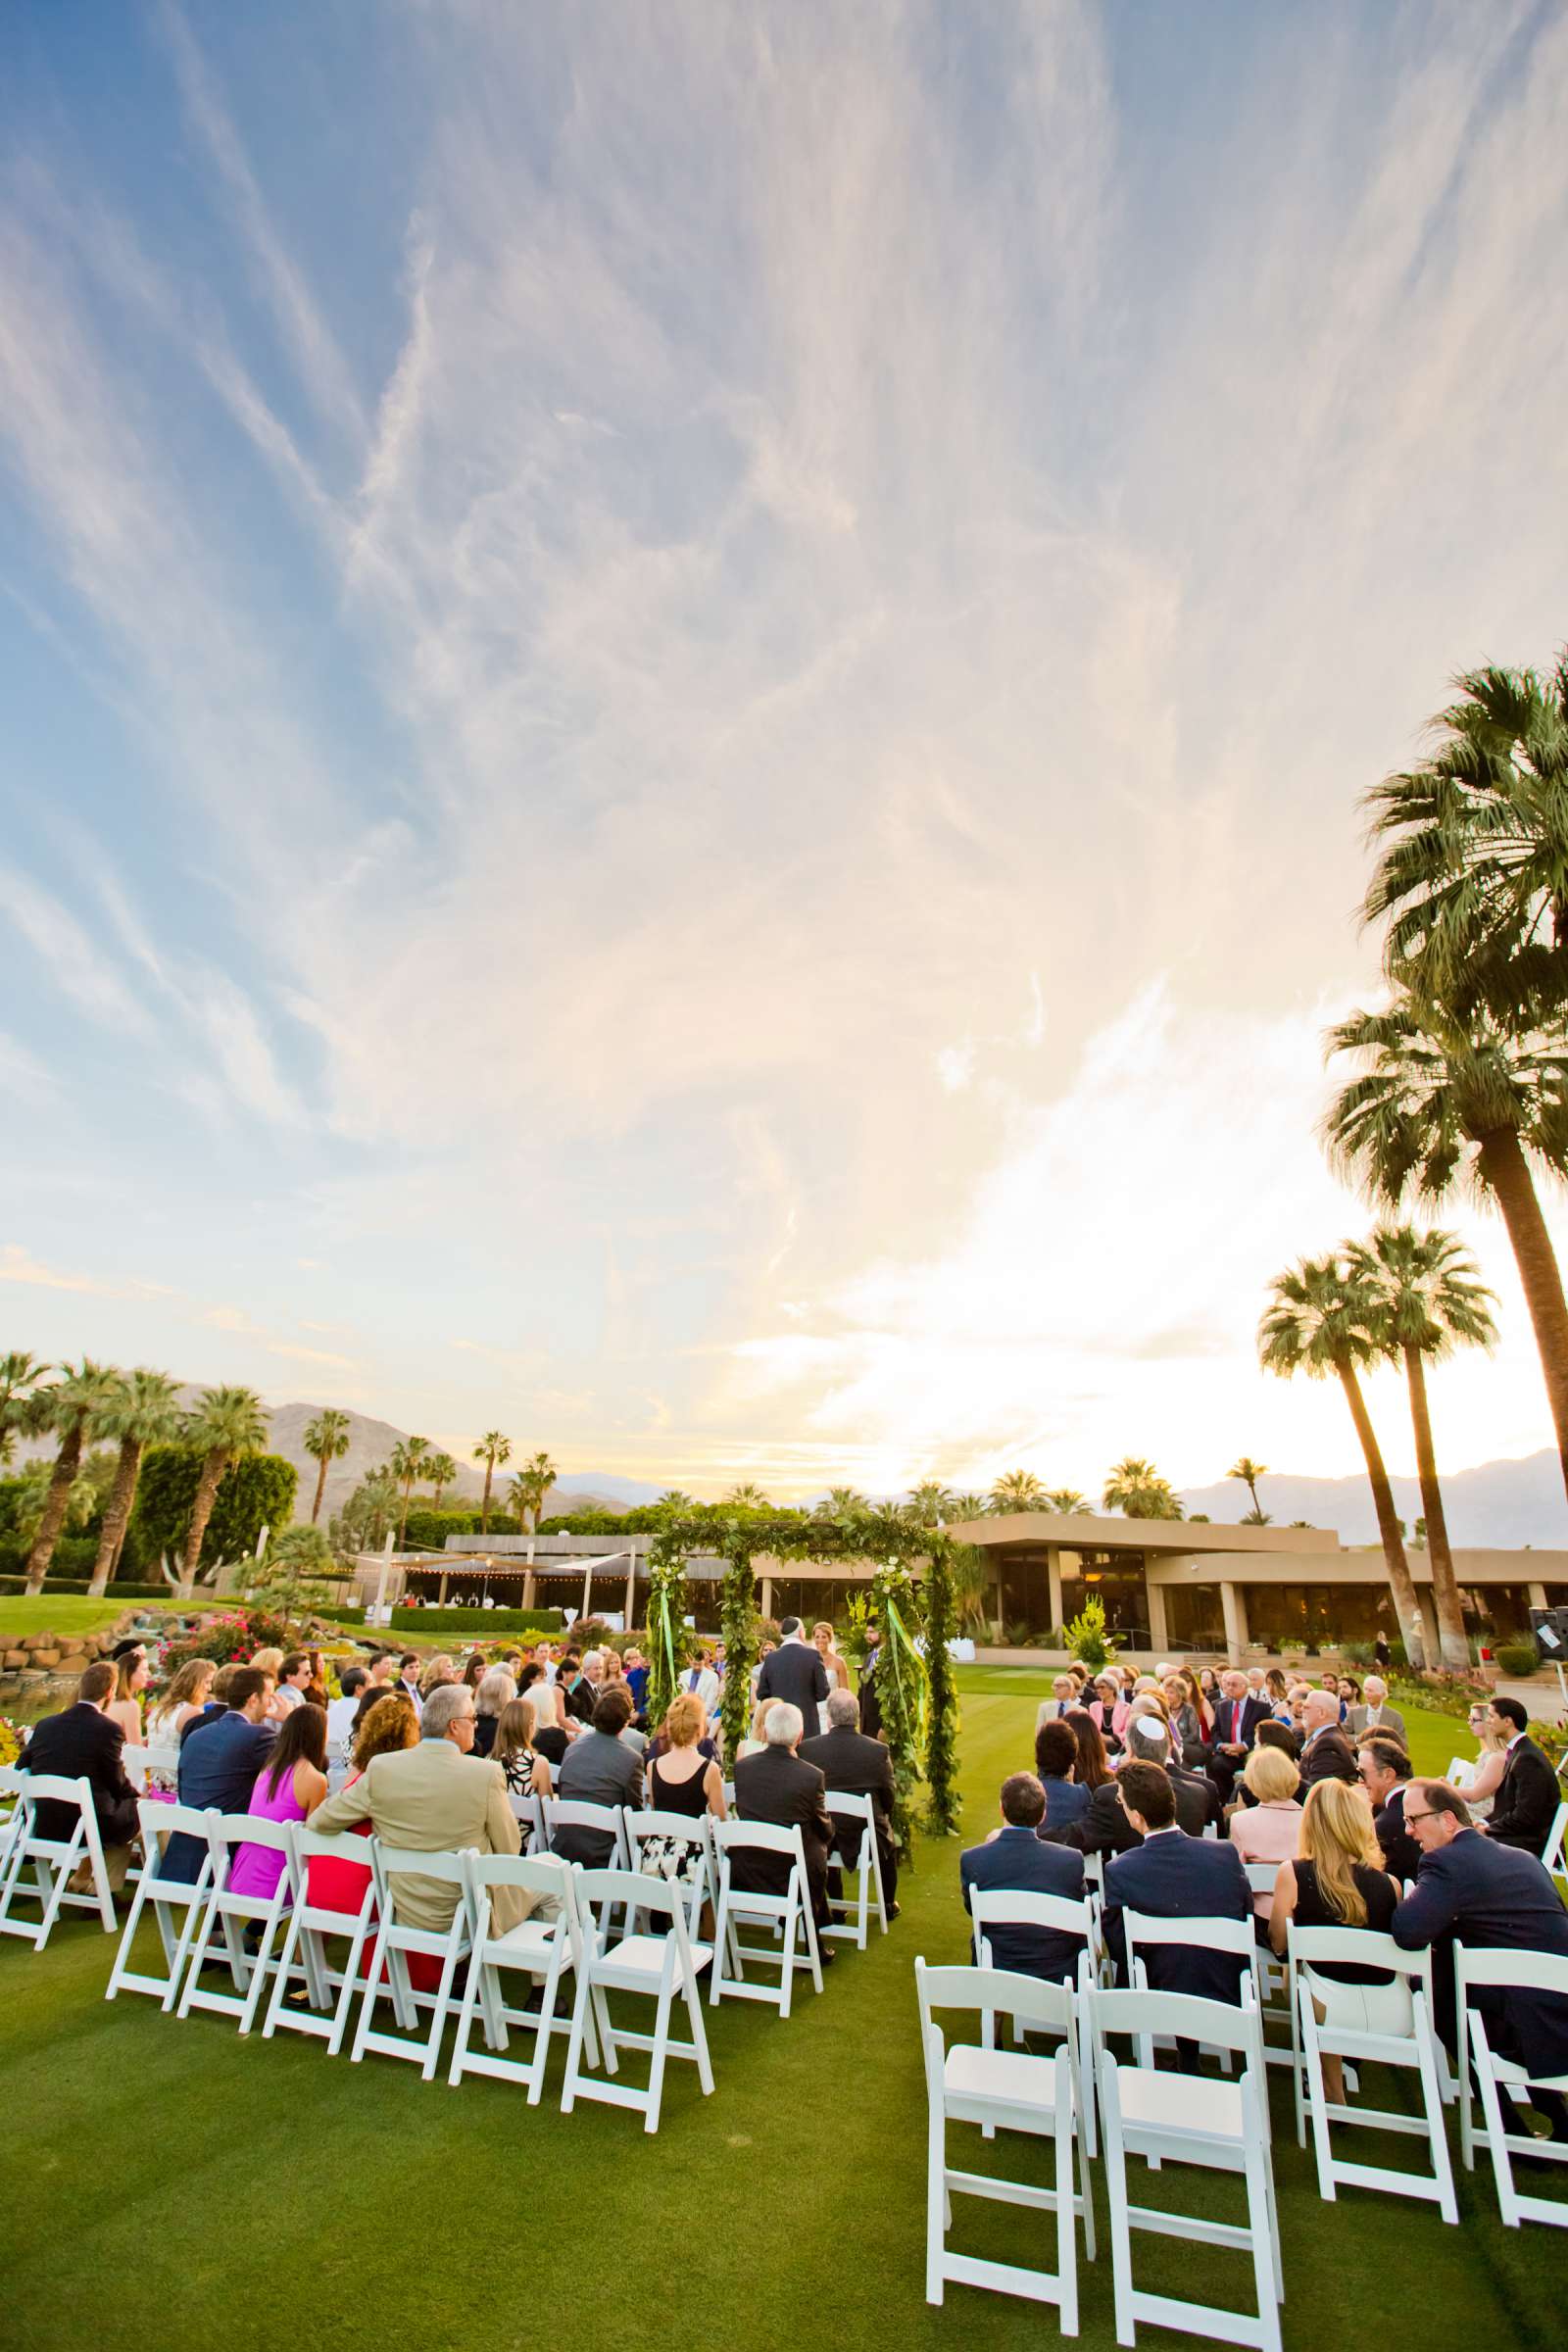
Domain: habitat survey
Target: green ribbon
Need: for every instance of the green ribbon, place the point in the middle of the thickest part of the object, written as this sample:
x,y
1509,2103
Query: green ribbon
x,y
900,1647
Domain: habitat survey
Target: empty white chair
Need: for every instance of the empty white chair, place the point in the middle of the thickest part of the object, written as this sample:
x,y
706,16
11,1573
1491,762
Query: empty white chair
x,y
170,1899
1414,2048
234,1912
1013,2091
312,1930
856,1909
1235,1937
1504,1972
657,1838
998,1906
544,1950
786,1912
1173,2118
664,1967
398,1940
53,1860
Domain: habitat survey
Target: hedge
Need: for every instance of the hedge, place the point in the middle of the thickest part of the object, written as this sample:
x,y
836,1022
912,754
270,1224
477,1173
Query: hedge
x,y
115,1591
481,1623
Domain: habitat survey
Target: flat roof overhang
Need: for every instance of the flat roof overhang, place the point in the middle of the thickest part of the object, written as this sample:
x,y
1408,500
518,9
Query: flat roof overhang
x,y
1101,1532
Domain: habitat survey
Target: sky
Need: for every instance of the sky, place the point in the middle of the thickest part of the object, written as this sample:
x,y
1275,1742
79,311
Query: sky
x,y
686,693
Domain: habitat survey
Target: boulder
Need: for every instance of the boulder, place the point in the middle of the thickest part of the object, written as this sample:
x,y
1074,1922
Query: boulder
x,y
47,1660
14,1658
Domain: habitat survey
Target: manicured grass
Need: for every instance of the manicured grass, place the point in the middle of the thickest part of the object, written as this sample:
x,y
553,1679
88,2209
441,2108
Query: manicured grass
x,y
165,2180
76,1613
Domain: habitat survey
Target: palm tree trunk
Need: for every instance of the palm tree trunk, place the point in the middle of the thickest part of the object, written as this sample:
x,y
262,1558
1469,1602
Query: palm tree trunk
x,y
117,1518
485,1507
402,1516
1505,1172
1400,1584
56,1503
1444,1584
207,1485
321,1488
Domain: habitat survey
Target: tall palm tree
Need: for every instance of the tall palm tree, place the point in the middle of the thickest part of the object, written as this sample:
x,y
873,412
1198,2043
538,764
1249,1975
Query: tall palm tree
x,y
539,1475
407,1462
842,1502
492,1448
968,1506
1135,1488
1017,1490
674,1504
67,1409
225,1424
1444,1101
747,1497
21,1373
1433,1301
1068,1503
326,1440
1321,1322
931,1503
1250,1472
1473,877
146,1412
440,1470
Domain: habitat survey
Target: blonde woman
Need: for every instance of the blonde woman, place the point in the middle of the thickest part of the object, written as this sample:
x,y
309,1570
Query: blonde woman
x,y
185,1699
1485,1778
270,1662
1270,1829
132,1674
838,1674
1338,1881
682,1780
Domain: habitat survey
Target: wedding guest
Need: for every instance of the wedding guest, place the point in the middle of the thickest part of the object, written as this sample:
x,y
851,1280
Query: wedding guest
x,y
1169,1875
342,1711
131,1678
407,1680
1326,1753
1338,1881
1182,1714
1235,1722
215,1704
515,1749
1017,1860
637,1671
493,1692
680,1779
1527,1799
182,1702
1276,1693
474,1672
1061,1702
219,1761
599,1769
83,1742
289,1787
1268,1829
1093,1768
754,1740
1384,1770
795,1674
293,1673
1374,1714
775,1786
1056,1763
553,1731
855,1766
390,1725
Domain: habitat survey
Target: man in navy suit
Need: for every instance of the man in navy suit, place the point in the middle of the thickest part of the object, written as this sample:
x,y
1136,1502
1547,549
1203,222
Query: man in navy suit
x,y
1236,1721
1172,1875
219,1765
1489,1897
1020,1861
1527,1799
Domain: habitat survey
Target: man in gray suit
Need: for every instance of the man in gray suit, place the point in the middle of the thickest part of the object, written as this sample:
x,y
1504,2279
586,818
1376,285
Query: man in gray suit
x,y
599,1769
1377,1715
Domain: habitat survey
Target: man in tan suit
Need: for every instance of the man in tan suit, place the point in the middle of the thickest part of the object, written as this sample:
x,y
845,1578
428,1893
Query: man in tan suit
x,y
438,1797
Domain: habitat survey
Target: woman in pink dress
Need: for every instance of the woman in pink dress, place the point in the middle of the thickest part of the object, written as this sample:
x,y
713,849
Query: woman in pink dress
x,y
1269,1829
289,1787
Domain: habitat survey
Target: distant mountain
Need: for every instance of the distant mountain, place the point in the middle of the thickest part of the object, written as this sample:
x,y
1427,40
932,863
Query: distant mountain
x,y
1503,1503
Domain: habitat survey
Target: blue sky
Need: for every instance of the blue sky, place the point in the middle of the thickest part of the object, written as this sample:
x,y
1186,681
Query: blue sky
x,y
686,694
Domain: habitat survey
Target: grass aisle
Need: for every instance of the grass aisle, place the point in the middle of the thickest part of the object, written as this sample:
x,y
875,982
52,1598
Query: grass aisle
x,y
163,2180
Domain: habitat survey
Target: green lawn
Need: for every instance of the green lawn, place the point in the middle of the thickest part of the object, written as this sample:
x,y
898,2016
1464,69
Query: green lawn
x,y
165,2180
75,1613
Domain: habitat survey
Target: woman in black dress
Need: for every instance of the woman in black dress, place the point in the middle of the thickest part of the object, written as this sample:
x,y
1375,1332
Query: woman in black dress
x,y
1338,1881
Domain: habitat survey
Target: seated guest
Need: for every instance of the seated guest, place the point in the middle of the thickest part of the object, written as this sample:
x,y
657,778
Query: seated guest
x,y
755,1738
1338,1881
132,1674
553,1730
1056,1762
1326,1753
1106,1828
341,1712
515,1749
408,1678
1016,1859
599,1769
1093,1769
437,1797
289,1787
860,1767
219,1762
680,1778
1061,1702
575,1688
82,1743
637,1671
1235,1722
1526,1798
184,1700
1282,1741
1489,1897
1384,1767
1373,1713
293,1674
216,1703
1182,1714
1269,1829
775,1786
491,1694
1172,1875
389,1726
474,1673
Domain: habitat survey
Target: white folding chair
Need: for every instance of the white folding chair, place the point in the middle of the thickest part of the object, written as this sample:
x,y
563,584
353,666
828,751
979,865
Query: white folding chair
x,y
11,1814
738,1905
143,1764
1095,1873
855,1909
1234,1936
1552,1853
995,1907
167,1898
53,1860
679,1831
528,1814
1416,2050
1504,1972
234,1912
397,1941
544,1950
1013,2091
1171,2117
664,1966
312,1928
568,1813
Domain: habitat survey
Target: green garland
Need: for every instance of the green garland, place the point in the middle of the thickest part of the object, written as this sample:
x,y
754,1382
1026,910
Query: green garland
x,y
737,1603
902,1692
667,1635
943,1802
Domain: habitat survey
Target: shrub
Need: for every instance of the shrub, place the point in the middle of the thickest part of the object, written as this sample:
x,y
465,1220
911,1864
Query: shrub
x,y
1517,1657
256,1491
481,1623
1088,1640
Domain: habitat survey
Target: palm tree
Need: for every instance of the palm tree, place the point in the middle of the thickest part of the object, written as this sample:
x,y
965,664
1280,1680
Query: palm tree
x,y
1321,1322
407,1462
20,1375
67,1409
326,1440
747,1497
1068,1503
1017,1490
1474,876
492,1448
1250,1472
841,1503
1136,1489
931,1503
1432,1301
225,1424
965,1507
539,1475
440,1470
1443,1101
674,1504
145,1413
